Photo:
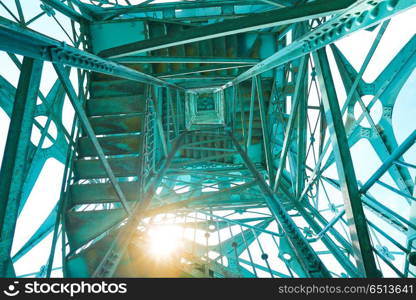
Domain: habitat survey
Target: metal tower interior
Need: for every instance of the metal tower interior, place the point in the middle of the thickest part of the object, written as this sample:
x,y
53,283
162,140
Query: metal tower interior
x,y
216,138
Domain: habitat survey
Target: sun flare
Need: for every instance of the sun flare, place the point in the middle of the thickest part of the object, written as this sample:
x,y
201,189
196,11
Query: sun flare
x,y
164,240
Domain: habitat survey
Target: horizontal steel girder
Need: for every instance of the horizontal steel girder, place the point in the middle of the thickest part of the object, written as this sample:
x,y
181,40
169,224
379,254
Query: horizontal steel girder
x,y
19,40
15,162
186,60
257,21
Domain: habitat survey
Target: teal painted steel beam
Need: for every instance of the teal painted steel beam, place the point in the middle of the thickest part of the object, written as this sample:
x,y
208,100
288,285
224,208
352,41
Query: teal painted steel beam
x,y
361,15
189,200
232,106
187,60
205,173
109,263
251,113
262,268
382,138
397,191
37,155
404,164
203,159
386,213
319,8
20,11
345,68
241,242
116,11
328,241
362,249
309,260
302,120
208,149
19,40
68,11
273,3
203,69
42,232
397,153
157,100
314,213
242,222
297,97
15,163
79,110
265,129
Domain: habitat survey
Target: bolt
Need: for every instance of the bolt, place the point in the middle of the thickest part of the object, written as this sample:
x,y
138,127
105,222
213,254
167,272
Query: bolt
x,y
412,258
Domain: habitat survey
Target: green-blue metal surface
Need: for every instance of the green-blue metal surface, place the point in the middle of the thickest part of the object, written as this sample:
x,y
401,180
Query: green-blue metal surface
x,y
221,118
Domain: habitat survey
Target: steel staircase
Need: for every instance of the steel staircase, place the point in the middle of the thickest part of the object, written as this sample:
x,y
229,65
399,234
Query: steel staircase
x,y
204,63
118,111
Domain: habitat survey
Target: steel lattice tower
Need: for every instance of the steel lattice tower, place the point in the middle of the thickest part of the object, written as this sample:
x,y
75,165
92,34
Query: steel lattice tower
x,y
215,138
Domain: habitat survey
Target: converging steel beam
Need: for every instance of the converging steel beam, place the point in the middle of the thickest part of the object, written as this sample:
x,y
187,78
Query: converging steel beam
x,y
329,240
203,69
64,78
361,243
308,259
302,120
184,203
297,97
111,259
265,129
251,113
186,60
15,161
360,15
397,153
20,40
68,11
116,11
316,9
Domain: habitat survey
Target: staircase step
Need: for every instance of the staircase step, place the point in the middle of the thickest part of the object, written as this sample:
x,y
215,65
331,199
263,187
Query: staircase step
x,y
84,263
117,124
116,105
84,226
121,166
256,124
102,192
255,131
120,87
112,145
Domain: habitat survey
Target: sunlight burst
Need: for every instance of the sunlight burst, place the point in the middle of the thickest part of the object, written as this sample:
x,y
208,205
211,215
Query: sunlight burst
x,y
165,240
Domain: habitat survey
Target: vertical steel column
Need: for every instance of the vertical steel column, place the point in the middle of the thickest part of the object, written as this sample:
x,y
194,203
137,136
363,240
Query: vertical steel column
x,y
265,129
302,120
411,236
291,122
79,110
251,116
109,263
361,243
233,107
14,165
